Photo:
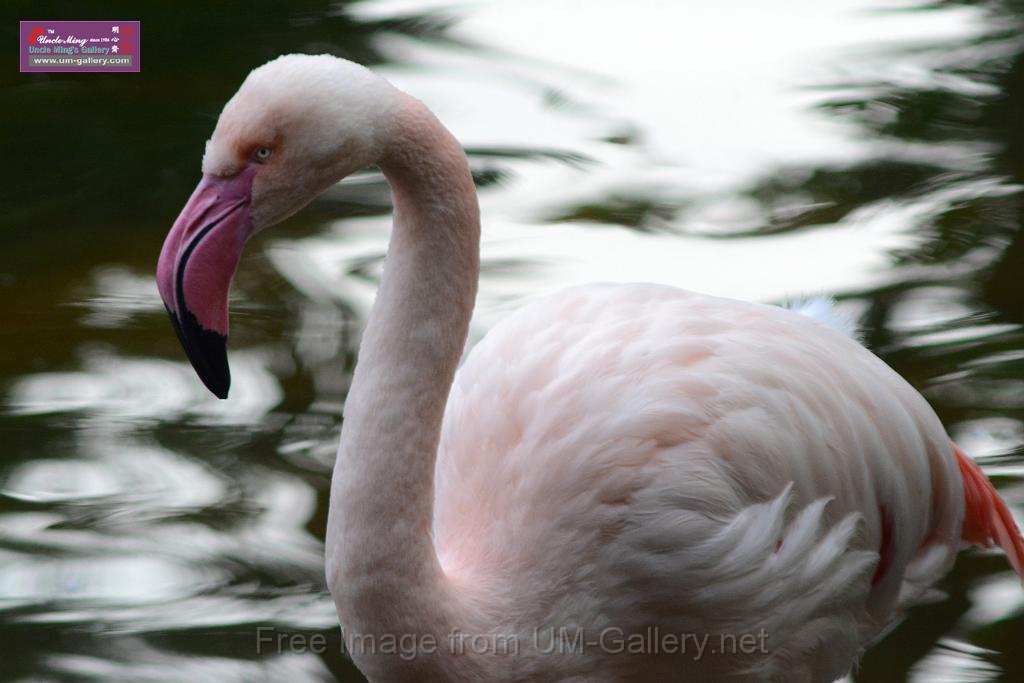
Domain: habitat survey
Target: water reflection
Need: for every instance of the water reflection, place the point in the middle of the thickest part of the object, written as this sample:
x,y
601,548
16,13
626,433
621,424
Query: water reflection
x,y
955,661
148,530
109,390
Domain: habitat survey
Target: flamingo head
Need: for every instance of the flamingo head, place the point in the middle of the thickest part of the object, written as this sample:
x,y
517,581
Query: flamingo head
x,y
297,125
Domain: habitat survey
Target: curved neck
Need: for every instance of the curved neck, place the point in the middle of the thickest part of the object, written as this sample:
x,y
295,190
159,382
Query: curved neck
x,y
383,571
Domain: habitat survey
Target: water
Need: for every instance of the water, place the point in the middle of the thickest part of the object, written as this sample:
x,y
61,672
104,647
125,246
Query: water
x,y
149,532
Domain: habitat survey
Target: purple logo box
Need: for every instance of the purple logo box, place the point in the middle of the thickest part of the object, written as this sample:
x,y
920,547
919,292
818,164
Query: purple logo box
x,y
80,46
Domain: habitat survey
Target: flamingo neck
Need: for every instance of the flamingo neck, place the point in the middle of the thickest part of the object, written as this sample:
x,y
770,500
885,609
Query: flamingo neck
x,y
383,571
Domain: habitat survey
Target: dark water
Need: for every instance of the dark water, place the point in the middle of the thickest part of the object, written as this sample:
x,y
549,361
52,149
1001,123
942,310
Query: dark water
x,y
149,532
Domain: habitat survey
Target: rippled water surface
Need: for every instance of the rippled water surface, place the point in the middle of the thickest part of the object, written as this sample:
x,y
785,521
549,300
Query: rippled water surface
x,y
757,150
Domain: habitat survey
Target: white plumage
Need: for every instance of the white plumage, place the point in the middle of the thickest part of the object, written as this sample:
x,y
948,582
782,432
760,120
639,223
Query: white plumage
x,y
668,442
823,309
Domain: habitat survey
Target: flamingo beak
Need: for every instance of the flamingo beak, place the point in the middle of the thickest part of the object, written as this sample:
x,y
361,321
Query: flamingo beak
x,y
197,263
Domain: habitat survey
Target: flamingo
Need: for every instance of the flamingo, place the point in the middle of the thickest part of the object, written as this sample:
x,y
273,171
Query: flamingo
x,y
622,482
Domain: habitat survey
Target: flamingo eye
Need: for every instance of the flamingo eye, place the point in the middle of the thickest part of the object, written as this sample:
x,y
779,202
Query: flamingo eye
x,y
262,153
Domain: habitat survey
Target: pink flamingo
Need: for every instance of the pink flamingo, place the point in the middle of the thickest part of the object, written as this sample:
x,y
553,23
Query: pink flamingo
x,y
622,482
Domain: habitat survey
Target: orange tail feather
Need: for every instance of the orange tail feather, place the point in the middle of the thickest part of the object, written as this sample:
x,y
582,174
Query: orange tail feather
x,y
988,521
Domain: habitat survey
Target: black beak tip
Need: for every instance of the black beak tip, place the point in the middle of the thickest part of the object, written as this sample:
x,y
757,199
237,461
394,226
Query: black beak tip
x,y
218,383
206,350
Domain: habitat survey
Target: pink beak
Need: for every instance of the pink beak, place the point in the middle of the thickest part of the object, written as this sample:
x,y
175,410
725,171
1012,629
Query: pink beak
x,y
197,263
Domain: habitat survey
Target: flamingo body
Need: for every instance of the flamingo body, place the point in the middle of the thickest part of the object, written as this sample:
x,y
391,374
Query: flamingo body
x,y
667,440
